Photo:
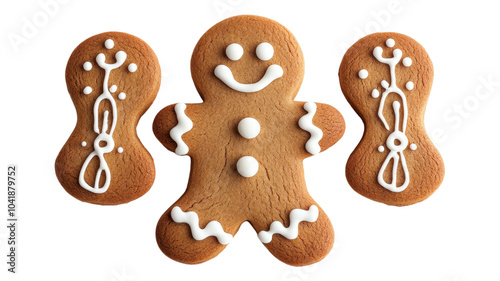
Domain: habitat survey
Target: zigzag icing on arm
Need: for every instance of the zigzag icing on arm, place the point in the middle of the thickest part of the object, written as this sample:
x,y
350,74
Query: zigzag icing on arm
x,y
183,126
213,228
292,231
306,124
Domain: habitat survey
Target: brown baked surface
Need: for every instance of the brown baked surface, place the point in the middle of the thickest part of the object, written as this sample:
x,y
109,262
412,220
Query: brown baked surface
x,y
215,190
132,172
425,165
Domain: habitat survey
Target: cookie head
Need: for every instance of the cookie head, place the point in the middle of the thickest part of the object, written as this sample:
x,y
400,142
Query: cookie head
x,y
247,55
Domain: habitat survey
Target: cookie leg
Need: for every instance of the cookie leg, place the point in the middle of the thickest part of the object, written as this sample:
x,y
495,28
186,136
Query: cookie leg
x,y
193,236
306,239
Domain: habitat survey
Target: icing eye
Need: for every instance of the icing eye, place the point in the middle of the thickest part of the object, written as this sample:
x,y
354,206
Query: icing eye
x,y
234,51
265,51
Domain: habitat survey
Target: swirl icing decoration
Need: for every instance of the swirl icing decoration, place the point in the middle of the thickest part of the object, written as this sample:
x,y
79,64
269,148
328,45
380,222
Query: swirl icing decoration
x,y
104,135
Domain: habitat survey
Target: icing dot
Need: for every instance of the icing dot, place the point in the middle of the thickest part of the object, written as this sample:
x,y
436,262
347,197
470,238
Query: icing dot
x,y
113,88
390,43
249,128
87,90
247,166
234,51
375,93
384,84
120,149
87,66
407,62
410,85
413,146
363,73
84,143
264,51
122,96
132,67
381,149
109,44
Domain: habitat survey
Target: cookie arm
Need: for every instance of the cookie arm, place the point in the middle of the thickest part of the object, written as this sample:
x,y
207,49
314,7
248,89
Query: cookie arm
x,y
331,122
169,126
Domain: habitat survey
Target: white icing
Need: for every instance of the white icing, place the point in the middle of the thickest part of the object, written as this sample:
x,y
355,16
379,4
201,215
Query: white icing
x,y
120,149
407,62
122,96
247,166
264,51
103,134
225,74
234,51
292,231
363,74
390,43
413,146
306,124
84,143
393,155
213,228
132,67
395,150
87,90
381,149
113,88
393,88
375,93
87,66
249,128
184,125
109,44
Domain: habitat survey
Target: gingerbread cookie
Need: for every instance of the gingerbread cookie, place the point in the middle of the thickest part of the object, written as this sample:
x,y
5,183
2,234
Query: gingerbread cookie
x,y
387,79
112,79
247,142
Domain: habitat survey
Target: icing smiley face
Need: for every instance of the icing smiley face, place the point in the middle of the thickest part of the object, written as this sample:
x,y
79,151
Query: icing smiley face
x,y
234,52
248,59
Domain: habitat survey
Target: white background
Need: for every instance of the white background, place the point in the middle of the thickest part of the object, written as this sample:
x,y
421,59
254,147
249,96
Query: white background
x,y
452,236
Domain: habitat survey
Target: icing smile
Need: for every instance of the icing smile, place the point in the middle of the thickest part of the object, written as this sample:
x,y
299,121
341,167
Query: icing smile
x,y
234,52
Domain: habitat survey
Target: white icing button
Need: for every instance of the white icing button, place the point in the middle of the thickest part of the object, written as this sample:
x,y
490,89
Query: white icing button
x,y
120,149
122,96
249,128
84,143
381,149
87,66
407,62
264,51
109,44
87,90
410,85
363,73
234,51
132,67
390,43
413,146
247,166
113,88
375,93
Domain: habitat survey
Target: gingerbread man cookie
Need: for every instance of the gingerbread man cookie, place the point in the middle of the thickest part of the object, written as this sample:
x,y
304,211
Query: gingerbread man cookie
x,y
247,142
387,79
112,79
